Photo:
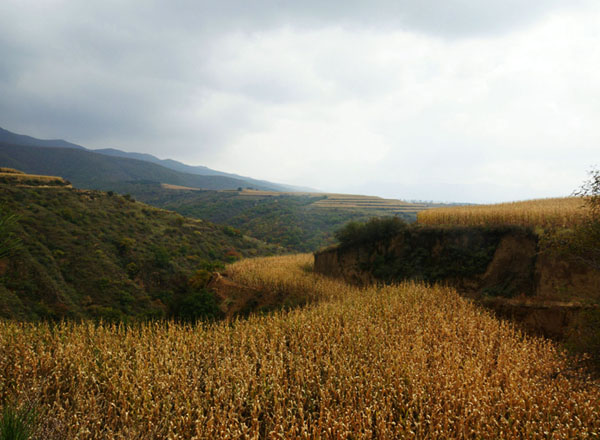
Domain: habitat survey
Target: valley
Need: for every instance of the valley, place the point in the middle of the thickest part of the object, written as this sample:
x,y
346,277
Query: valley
x,y
299,220
403,361
176,314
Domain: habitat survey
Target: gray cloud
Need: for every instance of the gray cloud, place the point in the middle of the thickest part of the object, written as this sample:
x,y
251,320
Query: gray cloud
x,y
447,18
307,92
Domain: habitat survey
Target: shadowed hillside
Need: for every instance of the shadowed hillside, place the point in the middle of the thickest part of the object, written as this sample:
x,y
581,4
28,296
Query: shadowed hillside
x,y
9,138
86,169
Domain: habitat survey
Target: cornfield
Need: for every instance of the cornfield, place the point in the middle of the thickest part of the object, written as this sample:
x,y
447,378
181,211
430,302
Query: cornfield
x,y
556,212
8,175
405,361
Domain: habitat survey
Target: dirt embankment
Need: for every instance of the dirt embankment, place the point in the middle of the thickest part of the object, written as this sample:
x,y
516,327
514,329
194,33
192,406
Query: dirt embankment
x,y
502,268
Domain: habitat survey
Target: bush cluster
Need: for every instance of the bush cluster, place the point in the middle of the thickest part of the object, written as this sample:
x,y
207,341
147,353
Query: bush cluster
x,y
371,231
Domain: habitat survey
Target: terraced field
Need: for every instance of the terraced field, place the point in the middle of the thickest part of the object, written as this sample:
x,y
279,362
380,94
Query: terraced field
x,y
374,204
371,203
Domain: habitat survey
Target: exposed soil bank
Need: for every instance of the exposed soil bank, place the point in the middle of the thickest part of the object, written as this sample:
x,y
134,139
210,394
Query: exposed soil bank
x,y
500,267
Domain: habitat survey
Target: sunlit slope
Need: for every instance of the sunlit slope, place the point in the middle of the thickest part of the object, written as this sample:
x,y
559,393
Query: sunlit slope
x,y
19,178
397,362
561,212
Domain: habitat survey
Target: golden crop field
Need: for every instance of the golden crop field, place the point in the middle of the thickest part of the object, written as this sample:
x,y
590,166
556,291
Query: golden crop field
x,y
405,361
347,201
10,171
369,203
560,212
19,178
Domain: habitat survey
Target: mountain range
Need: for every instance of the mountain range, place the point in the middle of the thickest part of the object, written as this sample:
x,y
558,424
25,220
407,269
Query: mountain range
x,y
104,168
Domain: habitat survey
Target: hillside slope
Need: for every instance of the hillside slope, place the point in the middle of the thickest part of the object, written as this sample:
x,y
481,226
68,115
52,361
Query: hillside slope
x,y
11,138
295,221
21,139
86,169
92,254
199,170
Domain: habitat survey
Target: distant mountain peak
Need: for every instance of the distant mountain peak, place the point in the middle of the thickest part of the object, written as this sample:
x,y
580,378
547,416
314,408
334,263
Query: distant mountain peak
x,y
21,139
175,172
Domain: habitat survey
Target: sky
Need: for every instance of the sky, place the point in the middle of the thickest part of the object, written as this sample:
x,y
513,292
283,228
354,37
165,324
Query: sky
x,y
455,100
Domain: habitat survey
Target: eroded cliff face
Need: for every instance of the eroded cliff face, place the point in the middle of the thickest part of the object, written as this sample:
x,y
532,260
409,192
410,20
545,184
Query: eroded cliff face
x,y
500,267
496,261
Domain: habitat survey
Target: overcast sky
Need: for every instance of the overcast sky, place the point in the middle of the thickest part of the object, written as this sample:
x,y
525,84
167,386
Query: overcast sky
x,y
455,100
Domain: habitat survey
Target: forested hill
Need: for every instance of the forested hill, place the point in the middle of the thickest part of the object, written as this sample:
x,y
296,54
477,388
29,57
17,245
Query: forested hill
x,y
87,253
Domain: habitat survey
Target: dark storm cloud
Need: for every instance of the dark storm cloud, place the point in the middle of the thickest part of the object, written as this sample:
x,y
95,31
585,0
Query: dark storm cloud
x,y
196,80
83,68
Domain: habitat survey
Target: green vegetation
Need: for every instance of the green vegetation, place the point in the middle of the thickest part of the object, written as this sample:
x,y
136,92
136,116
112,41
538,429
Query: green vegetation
x,y
292,221
581,242
17,423
355,233
197,305
87,254
9,242
398,251
590,192
584,335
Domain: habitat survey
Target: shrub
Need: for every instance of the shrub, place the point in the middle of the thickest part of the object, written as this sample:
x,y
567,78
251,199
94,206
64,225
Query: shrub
x,y
232,255
582,241
373,230
198,305
584,335
125,245
211,266
590,192
232,232
200,278
132,269
161,257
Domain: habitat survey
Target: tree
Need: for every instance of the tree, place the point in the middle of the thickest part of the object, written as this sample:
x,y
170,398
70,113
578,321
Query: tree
x,y
590,192
581,242
585,245
377,228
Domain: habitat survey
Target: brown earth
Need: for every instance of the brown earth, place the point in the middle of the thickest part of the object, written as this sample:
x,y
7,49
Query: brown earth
x,y
541,291
234,298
